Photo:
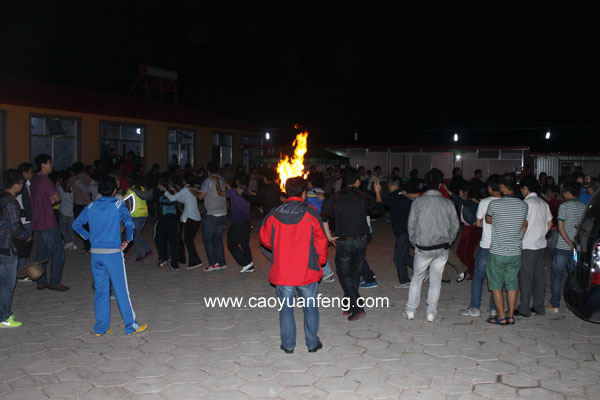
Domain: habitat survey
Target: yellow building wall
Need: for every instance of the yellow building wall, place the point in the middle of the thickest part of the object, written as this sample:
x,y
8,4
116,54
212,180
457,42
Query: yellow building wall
x,y
17,136
155,145
203,147
155,148
90,139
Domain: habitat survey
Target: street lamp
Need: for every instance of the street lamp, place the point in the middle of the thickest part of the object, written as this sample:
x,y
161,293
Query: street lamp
x,y
267,136
456,137
548,135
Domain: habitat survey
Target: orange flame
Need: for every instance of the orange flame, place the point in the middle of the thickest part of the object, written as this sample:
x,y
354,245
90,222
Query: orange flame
x,y
290,168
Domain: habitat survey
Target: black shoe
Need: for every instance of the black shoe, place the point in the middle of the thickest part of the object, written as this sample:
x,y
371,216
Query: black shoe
x,y
318,347
58,287
286,351
356,315
446,280
461,277
542,312
518,313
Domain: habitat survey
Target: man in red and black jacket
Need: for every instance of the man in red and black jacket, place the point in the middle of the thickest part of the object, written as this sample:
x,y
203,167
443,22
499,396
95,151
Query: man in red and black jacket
x,y
294,232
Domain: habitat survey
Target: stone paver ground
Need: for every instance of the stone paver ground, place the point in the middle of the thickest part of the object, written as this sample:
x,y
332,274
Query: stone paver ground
x,y
192,351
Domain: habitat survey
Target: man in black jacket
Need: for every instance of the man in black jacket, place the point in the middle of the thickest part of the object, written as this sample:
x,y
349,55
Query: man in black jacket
x,y
10,228
349,209
24,199
399,206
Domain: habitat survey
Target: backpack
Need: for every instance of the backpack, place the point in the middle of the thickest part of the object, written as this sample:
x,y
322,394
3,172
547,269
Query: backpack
x,y
166,207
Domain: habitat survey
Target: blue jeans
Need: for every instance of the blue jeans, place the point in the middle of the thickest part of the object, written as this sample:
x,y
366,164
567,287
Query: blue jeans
x,y
552,241
478,279
327,269
66,227
562,259
8,279
349,261
402,257
212,236
48,244
141,247
366,272
23,261
287,324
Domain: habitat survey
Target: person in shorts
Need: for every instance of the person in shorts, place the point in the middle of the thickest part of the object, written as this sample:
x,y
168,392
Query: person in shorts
x,y
508,219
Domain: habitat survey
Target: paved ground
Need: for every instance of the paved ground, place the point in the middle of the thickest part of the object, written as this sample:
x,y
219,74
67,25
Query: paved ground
x,y
191,351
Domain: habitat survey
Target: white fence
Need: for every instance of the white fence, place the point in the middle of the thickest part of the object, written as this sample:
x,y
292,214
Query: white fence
x,y
489,161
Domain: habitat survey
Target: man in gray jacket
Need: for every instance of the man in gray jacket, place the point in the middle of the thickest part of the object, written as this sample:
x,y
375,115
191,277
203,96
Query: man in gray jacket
x,y
432,227
215,220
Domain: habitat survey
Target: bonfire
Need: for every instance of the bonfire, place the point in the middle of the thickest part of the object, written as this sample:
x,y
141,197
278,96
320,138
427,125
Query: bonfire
x,y
294,166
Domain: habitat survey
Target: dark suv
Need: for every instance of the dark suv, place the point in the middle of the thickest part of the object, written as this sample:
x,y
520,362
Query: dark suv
x,y
582,287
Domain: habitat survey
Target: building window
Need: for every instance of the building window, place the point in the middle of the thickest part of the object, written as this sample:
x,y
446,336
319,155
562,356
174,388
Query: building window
x,y
251,155
2,139
181,146
55,136
222,148
117,140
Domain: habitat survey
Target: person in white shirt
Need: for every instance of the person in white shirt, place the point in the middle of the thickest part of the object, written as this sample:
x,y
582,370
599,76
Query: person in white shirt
x,y
375,177
65,212
190,218
532,275
493,188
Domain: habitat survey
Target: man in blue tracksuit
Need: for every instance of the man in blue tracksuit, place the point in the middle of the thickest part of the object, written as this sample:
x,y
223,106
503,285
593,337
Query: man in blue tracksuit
x,y
104,217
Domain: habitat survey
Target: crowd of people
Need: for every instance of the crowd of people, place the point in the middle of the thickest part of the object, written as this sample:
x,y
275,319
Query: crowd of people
x,y
499,229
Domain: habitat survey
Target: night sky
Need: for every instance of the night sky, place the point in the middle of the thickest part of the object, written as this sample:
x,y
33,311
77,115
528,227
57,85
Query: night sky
x,y
396,74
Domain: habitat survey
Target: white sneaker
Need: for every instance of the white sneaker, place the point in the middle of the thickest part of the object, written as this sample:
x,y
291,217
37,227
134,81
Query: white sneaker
x,y
493,313
74,247
194,266
430,317
470,312
552,309
409,314
402,285
247,268
328,278
67,246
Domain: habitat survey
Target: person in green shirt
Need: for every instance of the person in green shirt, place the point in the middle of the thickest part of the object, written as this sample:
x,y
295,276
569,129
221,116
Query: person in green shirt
x,y
569,215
